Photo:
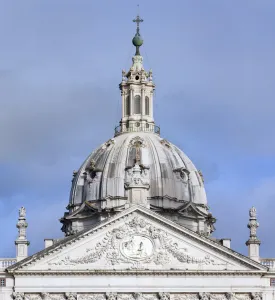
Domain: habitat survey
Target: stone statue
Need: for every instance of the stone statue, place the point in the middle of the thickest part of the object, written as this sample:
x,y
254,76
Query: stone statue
x,y
22,212
252,212
123,75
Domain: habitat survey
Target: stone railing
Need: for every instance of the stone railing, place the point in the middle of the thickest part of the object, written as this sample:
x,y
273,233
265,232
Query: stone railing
x,y
268,262
6,262
138,127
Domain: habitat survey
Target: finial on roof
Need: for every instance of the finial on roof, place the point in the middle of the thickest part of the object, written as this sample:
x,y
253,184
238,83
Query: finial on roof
x,y
137,39
21,241
253,243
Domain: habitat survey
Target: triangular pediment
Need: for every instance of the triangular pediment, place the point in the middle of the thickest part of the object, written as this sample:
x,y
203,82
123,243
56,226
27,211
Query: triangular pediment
x,y
137,239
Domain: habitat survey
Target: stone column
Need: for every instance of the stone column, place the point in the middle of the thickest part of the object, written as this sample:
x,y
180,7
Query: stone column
x,y
131,101
21,241
151,104
123,103
142,101
253,243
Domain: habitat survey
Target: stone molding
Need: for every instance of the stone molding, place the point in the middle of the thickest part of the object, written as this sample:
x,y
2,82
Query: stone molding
x,y
136,231
149,214
137,296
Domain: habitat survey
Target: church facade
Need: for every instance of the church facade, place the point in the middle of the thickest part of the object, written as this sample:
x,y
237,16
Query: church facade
x,y
138,225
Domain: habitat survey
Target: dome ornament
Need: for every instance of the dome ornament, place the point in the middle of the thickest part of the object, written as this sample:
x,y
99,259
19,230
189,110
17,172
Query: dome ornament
x,y
137,39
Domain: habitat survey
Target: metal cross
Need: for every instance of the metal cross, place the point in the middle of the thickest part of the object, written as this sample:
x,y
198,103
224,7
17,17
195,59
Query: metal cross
x,y
138,20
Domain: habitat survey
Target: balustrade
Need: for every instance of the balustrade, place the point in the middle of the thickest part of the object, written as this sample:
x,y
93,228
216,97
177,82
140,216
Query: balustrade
x,y
6,262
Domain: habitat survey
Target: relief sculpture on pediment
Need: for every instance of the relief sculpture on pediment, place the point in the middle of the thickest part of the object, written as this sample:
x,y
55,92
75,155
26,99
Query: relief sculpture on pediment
x,y
137,243
138,296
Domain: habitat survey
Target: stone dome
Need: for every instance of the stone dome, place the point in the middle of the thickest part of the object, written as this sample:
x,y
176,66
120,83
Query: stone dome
x,y
137,167
163,177
171,174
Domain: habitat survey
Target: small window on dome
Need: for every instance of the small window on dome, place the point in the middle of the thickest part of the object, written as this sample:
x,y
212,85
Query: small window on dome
x,y
147,106
137,105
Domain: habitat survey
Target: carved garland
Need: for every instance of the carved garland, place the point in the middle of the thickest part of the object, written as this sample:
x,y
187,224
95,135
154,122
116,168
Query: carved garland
x,y
133,243
138,296
241,259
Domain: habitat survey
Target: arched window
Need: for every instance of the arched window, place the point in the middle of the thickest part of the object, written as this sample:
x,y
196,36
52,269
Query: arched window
x,y
147,113
137,108
127,106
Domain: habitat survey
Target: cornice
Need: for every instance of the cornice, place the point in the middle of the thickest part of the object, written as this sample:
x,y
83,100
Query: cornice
x,y
138,273
150,215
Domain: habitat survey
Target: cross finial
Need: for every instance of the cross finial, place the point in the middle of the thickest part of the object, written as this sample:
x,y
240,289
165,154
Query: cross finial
x,y
138,20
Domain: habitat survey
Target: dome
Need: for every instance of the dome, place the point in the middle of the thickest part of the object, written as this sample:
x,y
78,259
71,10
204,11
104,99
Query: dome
x,y
171,173
169,181
137,166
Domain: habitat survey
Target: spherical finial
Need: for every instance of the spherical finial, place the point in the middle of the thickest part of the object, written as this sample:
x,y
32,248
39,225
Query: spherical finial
x,y
137,40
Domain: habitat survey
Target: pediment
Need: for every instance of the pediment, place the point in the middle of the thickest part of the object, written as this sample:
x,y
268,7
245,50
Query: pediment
x,y
190,209
137,239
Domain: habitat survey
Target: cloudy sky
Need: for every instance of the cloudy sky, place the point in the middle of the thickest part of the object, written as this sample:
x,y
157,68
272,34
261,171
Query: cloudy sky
x,y
60,66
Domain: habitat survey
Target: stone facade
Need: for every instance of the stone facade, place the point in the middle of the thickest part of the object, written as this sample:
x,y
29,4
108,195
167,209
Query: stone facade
x,y
138,226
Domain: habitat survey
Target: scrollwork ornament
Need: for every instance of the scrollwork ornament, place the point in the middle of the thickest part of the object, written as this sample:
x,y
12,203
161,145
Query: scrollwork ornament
x,y
164,296
91,297
137,242
185,297
18,296
204,296
182,174
138,296
218,297
71,296
230,296
257,296
111,296
45,296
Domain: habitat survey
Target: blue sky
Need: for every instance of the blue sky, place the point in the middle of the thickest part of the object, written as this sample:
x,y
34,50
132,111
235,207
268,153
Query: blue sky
x,y
60,66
